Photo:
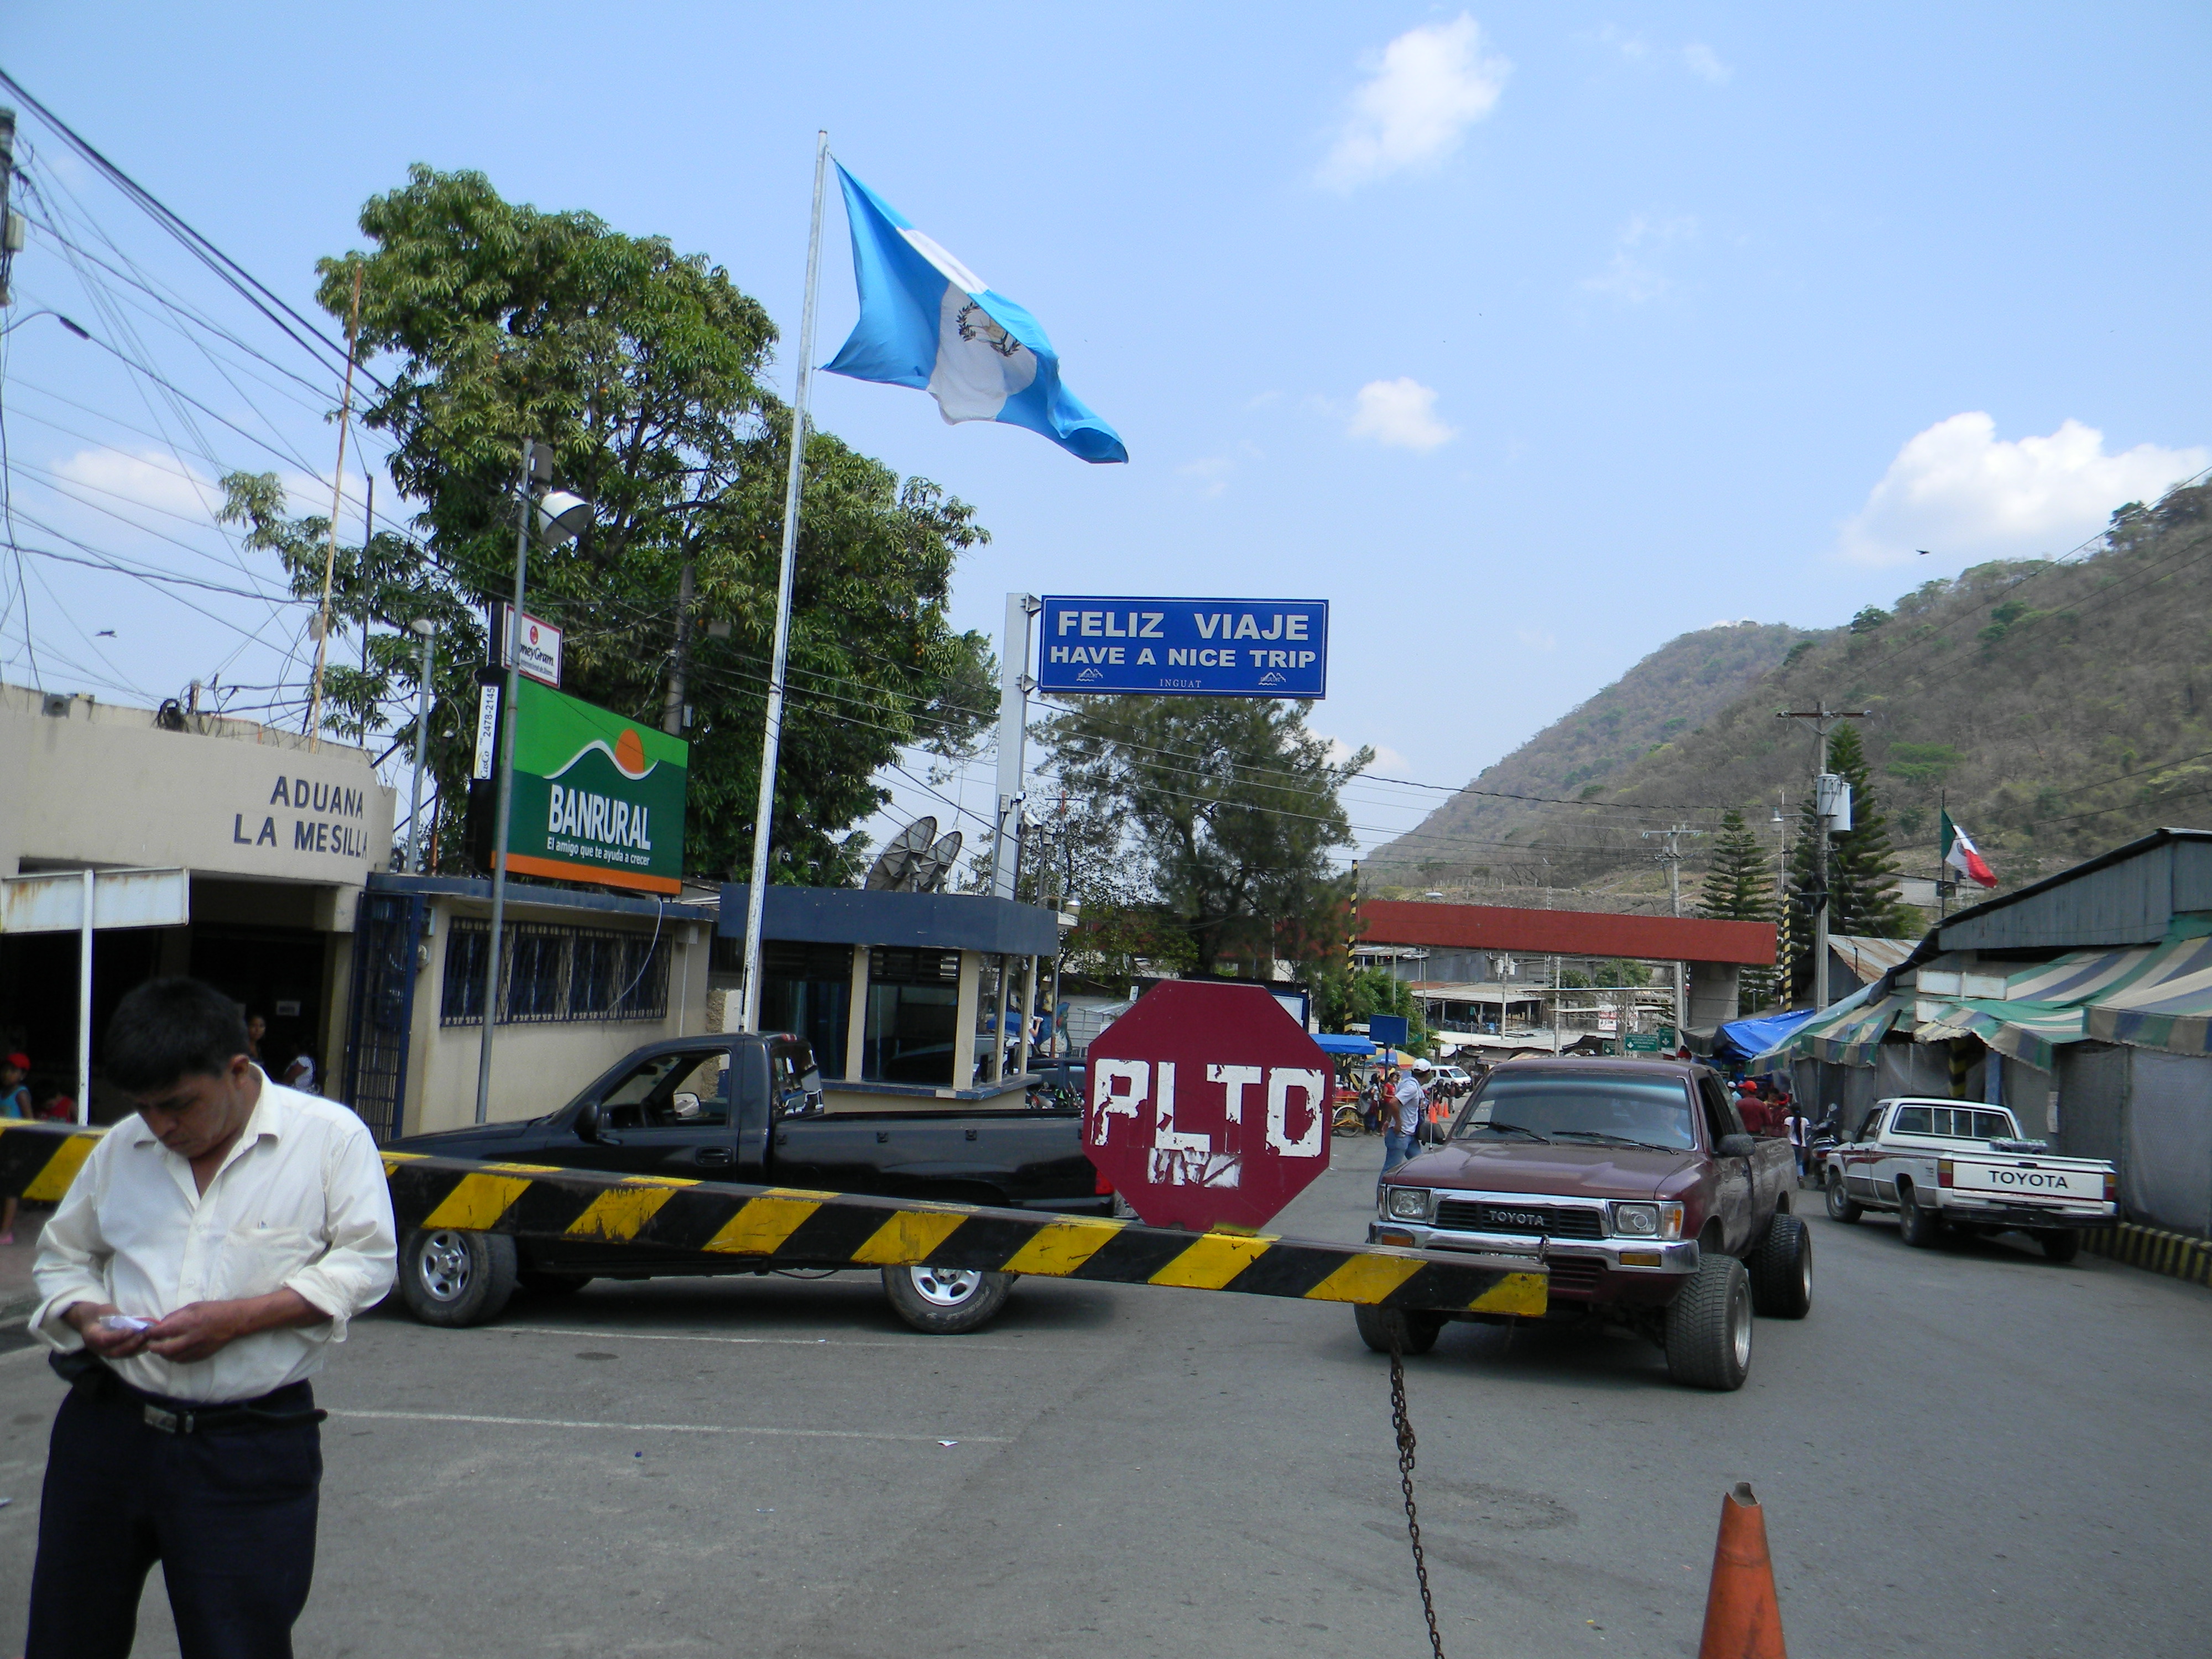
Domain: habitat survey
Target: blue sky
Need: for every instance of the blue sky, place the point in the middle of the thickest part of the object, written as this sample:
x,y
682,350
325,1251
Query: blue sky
x,y
1529,336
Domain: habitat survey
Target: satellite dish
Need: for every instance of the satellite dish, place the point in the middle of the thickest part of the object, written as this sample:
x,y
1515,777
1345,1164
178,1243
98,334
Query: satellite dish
x,y
895,870
932,868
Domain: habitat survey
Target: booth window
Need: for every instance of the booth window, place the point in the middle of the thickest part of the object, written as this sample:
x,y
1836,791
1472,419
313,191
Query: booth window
x,y
553,974
808,989
914,1017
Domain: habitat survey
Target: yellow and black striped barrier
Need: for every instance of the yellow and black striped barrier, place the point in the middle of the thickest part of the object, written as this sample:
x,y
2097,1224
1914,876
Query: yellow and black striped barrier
x,y
2177,1255
772,1226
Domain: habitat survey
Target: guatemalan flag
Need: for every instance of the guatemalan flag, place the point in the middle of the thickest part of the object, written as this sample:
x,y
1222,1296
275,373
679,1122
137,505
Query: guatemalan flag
x,y
927,320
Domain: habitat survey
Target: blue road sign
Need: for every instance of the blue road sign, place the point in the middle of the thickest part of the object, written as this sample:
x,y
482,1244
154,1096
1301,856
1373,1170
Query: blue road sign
x,y
1388,1031
1198,648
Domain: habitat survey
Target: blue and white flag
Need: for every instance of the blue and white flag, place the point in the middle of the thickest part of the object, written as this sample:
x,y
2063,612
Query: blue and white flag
x,y
928,321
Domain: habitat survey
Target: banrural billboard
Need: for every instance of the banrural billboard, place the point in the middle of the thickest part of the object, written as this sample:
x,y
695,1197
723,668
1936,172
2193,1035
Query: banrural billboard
x,y
596,798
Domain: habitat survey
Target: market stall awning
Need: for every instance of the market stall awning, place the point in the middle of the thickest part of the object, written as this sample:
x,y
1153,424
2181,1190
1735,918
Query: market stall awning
x,y
2167,1005
1745,1039
1843,1029
1331,1044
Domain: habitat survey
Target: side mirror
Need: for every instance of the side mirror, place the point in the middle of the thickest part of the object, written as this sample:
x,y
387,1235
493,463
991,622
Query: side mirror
x,y
1737,1146
685,1105
587,1120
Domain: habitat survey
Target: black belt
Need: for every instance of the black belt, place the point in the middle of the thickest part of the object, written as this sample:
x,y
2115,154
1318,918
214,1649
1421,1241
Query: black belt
x,y
290,1406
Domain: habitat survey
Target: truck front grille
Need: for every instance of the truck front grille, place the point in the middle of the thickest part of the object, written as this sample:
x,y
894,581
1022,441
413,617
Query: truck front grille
x,y
1477,1215
1573,1275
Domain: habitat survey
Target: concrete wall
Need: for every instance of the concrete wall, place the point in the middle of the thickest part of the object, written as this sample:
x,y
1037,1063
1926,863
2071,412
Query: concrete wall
x,y
535,1067
101,784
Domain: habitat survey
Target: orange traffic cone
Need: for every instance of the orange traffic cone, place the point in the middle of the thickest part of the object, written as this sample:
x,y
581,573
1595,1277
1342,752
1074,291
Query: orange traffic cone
x,y
1742,1619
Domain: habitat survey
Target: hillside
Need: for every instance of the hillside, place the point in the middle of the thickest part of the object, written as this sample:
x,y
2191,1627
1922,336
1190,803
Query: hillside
x,y
2062,707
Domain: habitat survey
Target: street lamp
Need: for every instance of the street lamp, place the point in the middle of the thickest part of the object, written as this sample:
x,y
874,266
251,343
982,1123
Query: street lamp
x,y
427,631
557,517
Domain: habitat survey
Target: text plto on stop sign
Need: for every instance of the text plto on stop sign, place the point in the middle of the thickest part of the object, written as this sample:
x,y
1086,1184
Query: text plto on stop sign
x,y
1135,1101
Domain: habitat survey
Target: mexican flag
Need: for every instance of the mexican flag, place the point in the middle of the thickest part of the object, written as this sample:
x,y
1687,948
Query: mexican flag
x,y
1960,852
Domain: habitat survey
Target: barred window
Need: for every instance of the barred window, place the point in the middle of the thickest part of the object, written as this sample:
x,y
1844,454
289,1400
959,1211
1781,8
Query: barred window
x,y
551,973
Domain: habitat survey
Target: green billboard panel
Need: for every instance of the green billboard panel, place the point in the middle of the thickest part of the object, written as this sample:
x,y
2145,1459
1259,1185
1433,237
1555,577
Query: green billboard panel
x,y
1642,1043
596,798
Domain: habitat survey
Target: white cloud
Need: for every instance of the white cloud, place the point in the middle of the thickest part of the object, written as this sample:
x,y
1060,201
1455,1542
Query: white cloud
x,y
1210,473
1387,759
1400,413
1960,491
1536,639
1423,91
1632,276
1701,60
143,477
1704,63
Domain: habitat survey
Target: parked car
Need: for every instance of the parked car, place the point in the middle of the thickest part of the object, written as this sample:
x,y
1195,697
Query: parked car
x,y
1961,1164
747,1107
1634,1182
1453,1082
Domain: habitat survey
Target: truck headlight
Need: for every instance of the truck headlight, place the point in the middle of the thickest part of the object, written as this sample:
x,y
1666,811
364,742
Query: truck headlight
x,y
1408,1203
1647,1220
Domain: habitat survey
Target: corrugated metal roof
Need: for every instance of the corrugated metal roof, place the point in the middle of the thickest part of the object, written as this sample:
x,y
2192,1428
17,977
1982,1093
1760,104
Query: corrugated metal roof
x,y
2128,895
1869,959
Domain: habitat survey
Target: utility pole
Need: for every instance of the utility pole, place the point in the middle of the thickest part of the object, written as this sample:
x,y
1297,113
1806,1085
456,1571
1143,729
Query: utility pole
x,y
11,228
1824,720
674,717
1671,858
331,541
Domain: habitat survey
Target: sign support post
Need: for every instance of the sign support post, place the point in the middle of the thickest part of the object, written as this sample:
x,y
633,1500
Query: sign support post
x,y
84,1006
1014,685
523,504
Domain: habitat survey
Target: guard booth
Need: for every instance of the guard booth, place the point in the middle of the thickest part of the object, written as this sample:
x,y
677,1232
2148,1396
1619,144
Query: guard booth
x,y
891,987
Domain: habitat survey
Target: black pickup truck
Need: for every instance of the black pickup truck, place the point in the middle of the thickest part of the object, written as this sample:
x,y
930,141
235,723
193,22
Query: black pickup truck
x,y
747,1107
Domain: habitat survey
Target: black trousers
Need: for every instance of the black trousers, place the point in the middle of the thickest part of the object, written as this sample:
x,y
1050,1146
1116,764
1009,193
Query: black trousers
x,y
228,1512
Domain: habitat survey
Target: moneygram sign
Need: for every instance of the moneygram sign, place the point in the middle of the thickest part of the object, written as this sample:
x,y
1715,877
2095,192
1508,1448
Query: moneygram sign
x,y
596,798
1197,647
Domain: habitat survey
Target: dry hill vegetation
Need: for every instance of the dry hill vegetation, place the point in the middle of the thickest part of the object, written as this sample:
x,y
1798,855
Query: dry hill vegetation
x,y
2060,705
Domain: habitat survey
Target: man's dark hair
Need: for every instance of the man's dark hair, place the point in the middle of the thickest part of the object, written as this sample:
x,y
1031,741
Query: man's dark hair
x,y
168,1029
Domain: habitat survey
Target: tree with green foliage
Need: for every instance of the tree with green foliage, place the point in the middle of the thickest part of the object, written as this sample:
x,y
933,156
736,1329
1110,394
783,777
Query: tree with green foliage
x,y
1862,867
1739,887
1222,811
1342,1000
641,370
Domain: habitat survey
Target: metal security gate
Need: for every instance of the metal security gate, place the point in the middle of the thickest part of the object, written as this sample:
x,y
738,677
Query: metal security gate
x,y
388,938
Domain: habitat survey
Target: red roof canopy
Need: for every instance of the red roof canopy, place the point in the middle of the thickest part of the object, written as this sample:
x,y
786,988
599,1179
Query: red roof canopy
x,y
1567,933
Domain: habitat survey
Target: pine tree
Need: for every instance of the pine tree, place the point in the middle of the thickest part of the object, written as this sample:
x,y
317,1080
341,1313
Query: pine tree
x,y
1739,887
1862,867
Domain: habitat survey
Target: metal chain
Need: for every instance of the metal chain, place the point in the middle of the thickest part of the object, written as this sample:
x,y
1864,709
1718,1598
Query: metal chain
x,y
1403,1426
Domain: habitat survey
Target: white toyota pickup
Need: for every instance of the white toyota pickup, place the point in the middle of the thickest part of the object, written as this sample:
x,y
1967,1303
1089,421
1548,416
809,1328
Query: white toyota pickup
x,y
1957,1163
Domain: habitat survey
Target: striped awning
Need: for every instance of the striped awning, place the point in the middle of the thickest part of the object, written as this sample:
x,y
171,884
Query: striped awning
x,y
2029,1031
1846,1033
2167,1005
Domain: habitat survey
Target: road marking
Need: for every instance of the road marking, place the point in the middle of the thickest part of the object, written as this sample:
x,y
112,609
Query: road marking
x,y
656,1428
917,1341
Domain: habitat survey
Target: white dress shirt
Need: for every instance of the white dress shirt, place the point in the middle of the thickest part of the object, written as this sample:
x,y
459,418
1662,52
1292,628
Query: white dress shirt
x,y
300,1200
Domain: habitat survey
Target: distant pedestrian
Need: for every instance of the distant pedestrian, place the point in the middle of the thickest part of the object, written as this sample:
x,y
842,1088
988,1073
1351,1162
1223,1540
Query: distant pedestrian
x,y
209,1252
256,1028
300,1074
14,1103
1800,1132
1402,1128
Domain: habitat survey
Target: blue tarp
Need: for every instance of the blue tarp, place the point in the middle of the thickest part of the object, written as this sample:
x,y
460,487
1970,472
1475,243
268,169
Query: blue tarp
x,y
1746,1039
1344,1045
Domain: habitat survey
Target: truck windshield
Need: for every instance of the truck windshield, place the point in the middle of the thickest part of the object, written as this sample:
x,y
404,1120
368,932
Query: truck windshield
x,y
1591,1110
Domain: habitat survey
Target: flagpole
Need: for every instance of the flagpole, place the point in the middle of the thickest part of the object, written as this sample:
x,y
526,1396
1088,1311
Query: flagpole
x,y
772,731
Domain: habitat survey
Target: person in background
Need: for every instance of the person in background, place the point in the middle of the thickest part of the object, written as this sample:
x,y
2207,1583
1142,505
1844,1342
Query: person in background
x,y
1401,1129
300,1074
14,1103
256,1028
209,1254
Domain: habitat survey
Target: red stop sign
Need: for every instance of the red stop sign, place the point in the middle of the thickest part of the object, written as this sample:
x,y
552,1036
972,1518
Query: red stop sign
x,y
1207,1105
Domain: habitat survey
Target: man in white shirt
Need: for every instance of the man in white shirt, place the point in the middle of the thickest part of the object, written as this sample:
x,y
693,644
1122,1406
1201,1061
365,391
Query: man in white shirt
x,y
206,1256
1402,1127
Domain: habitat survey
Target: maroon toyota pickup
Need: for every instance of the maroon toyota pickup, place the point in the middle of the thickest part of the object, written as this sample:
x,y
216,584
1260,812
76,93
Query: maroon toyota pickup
x,y
1635,1184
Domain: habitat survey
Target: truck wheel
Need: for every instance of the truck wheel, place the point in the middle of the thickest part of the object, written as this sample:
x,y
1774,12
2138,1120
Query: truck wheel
x,y
452,1278
1781,1269
1709,1327
1919,1227
1416,1331
2061,1244
1842,1206
947,1301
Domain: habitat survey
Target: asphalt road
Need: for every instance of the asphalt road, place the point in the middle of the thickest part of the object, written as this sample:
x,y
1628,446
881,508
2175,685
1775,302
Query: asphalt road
x,y
1967,1451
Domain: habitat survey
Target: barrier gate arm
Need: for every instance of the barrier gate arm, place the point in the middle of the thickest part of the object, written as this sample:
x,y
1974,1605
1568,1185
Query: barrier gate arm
x,y
788,1226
